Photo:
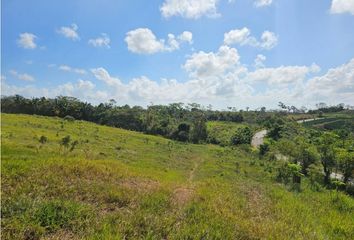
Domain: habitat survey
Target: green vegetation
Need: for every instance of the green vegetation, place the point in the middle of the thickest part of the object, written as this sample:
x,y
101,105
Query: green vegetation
x,y
220,132
89,181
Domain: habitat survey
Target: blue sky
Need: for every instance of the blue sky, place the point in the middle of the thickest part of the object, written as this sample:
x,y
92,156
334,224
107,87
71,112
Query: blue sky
x,y
101,49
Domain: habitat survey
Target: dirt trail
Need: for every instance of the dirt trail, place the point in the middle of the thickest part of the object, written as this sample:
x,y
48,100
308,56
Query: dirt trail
x,y
184,194
192,172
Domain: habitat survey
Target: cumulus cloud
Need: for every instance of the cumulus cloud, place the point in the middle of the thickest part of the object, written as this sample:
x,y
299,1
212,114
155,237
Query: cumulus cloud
x,y
217,77
102,41
67,68
283,74
85,85
189,8
262,3
70,32
103,75
144,41
259,61
342,6
186,37
204,64
243,37
27,40
22,76
337,83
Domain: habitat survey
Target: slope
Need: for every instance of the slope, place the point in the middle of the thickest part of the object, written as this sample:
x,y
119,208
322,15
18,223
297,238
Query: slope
x,y
118,184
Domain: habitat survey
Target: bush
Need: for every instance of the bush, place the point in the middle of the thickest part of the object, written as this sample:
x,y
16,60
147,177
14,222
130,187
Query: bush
x,y
43,139
55,215
242,136
263,149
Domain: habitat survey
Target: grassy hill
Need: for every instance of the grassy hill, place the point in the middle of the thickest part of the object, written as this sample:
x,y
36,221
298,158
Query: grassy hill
x,y
119,184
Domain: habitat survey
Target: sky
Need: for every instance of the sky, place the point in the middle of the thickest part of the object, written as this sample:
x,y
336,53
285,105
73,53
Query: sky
x,y
239,53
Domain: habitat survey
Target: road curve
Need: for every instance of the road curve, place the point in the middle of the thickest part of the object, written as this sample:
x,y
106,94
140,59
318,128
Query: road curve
x,y
258,138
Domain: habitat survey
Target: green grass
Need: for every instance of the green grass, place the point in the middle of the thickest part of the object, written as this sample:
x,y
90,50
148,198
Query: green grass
x,y
119,184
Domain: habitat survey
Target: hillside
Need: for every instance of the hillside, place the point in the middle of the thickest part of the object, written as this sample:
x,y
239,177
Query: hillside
x,y
119,184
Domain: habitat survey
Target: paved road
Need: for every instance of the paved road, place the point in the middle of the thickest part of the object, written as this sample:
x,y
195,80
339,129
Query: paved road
x,y
308,120
257,139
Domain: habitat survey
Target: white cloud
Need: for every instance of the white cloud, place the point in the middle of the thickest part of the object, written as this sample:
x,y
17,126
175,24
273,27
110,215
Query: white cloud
x,y
102,41
204,64
103,75
336,85
243,37
186,37
283,74
3,77
67,68
70,32
219,78
22,76
259,61
189,8
342,6
82,89
268,40
85,85
27,40
144,41
262,3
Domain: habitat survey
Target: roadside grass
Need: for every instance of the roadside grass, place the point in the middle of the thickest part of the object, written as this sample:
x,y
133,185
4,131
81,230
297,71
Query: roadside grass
x,y
119,184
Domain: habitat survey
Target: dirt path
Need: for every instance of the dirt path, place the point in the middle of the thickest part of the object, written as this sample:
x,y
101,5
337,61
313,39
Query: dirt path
x,y
258,138
184,194
192,172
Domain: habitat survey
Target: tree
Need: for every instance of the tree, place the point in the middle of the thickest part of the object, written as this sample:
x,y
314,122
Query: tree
x,y
327,154
263,149
182,133
242,135
290,173
307,155
346,164
315,176
199,130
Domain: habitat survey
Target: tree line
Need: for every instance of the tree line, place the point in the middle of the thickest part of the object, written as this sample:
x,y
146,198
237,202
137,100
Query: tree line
x,y
176,121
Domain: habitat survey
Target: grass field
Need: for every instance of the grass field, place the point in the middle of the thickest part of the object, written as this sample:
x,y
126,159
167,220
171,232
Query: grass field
x,y
118,184
333,121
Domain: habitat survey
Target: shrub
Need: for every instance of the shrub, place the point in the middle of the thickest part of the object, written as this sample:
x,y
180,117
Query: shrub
x,y
54,215
242,136
43,139
263,149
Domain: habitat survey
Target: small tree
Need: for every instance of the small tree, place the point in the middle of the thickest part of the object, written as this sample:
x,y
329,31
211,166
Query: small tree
x,y
263,149
346,164
42,140
290,173
327,154
295,171
65,142
338,185
315,176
